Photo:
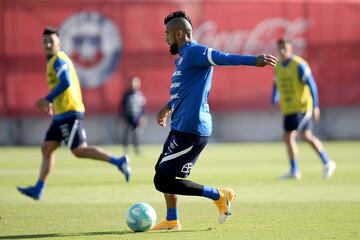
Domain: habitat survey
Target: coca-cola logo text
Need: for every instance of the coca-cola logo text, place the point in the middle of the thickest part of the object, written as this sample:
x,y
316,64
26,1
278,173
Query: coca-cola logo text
x,y
260,39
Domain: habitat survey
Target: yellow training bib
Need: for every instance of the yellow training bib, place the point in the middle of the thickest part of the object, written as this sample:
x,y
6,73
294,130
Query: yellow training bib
x,y
294,94
71,98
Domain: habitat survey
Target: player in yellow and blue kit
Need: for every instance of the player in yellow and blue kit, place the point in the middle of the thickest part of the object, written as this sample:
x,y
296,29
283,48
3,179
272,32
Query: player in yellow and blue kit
x,y
64,103
295,90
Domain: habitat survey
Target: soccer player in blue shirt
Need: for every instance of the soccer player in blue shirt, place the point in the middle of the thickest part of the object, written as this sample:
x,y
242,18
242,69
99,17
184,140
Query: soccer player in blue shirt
x,y
190,118
295,89
64,103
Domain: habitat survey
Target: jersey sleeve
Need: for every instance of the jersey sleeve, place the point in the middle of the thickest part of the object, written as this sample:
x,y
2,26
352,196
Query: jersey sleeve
x,y
63,74
205,56
306,77
275,96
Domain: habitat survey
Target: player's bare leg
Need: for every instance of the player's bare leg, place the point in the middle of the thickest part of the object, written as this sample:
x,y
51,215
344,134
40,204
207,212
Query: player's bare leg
x,y
97,153
48,159
165,224
329,166
171,200
291,145
47,149
308,136
93,152
293,151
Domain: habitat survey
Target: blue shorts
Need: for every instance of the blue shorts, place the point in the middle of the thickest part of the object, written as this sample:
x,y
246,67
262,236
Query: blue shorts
x,y
180,152
69,130
298,121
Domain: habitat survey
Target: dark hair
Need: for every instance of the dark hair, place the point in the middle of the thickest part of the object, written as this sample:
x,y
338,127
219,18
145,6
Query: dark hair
x,y
50,30
177,14
283,41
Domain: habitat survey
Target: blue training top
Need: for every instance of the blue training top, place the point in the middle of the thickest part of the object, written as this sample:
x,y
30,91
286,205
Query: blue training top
x,y
191,84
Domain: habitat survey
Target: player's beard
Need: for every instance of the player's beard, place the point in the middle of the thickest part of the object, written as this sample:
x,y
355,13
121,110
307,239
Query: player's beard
x,y
174,49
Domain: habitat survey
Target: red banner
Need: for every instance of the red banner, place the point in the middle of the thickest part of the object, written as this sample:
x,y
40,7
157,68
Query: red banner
x,y
110,41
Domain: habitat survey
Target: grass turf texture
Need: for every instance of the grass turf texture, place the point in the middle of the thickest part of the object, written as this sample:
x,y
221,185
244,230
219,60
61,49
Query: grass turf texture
x,y
85,199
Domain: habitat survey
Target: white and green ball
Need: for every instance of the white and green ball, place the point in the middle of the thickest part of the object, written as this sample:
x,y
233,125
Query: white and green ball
x,y
140,217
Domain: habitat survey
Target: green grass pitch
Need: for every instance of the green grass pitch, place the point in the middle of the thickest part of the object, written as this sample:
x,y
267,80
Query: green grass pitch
x,y
86,199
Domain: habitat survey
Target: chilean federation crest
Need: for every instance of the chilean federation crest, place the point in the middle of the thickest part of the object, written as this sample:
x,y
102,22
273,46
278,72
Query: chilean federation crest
x,y
93,43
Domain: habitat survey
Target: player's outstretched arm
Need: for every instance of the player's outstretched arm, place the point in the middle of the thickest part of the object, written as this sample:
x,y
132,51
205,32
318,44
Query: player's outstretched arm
x,y
204,56
162,115
266,59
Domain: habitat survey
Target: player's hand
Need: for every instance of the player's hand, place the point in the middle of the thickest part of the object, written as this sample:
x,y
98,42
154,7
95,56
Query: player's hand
x,y
316,114
272,109
266,59
44,106
163,115
143,121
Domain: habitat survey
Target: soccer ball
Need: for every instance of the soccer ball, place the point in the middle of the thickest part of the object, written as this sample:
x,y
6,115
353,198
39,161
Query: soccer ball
x,y
140,217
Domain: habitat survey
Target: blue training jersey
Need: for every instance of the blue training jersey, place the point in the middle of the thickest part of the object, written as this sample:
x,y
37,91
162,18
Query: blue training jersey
x,y
191,84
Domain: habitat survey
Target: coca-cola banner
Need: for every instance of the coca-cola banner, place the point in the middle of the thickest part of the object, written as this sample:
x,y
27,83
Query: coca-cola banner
x,y
111,41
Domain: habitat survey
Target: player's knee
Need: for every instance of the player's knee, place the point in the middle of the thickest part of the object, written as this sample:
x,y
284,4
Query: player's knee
x,y
47,150
78,152
157,182
44,149
307,136
161,182
287,138
290,137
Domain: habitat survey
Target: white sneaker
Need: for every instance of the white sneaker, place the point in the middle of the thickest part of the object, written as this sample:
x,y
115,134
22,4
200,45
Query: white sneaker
x,y
329,169
297,176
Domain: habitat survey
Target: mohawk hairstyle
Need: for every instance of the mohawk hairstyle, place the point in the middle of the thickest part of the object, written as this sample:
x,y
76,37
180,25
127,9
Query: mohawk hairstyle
x,y
177,14
50,30
282,41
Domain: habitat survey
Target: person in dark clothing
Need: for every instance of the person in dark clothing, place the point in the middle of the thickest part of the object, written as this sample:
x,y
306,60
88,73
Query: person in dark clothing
x,y
132,110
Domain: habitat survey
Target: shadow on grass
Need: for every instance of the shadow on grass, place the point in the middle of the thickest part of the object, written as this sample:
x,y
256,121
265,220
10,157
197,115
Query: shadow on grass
x,y
59,235
56,235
